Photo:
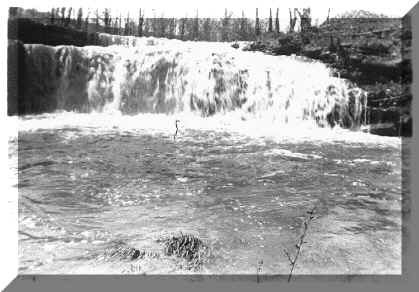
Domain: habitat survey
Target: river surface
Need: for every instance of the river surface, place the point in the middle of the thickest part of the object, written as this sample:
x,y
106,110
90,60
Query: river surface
x,y
83,188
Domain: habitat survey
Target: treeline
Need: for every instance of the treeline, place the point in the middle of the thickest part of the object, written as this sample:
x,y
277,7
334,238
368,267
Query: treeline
x,y
227,28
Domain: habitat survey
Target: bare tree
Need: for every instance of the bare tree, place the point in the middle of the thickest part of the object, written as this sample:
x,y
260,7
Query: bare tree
x,y
270,29
328,14
206,29
57,15
305,19
13,11
243,27
140,24
293,20
62,15
195,27
68,19
52,16
146,29
172,28
115,26
127,25
257,24
86,21
277,21
160,26
154,24
107,19
182,28
79,18
225,27
97,20
120,24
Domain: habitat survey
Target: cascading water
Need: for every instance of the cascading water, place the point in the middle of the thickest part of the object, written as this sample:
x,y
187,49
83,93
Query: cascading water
x,y
169,76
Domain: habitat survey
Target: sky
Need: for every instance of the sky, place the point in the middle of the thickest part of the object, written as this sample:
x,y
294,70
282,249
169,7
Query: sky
x,y
215,8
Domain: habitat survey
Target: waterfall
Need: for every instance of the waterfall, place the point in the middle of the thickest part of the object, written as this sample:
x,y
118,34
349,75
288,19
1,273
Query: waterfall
x,y
148,75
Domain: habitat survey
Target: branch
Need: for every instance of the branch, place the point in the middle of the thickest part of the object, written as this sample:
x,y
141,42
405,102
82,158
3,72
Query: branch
x,y
299,244
289,256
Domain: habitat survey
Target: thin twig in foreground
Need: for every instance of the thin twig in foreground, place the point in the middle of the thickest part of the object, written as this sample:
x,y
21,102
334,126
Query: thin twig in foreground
x,y
300,243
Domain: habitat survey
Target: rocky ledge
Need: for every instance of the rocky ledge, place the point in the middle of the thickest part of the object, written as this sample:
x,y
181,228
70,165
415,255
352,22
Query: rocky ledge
x,y
372,53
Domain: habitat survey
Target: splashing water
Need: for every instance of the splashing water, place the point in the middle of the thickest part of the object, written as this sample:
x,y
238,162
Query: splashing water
x,y
173,77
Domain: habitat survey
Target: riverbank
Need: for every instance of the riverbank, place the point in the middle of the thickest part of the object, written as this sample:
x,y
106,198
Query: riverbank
x,y
372,53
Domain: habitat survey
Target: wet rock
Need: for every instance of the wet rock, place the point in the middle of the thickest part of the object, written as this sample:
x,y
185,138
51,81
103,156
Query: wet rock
x,y
377,61
186,246
384,115
255,46
312,52
385,129
122,251
32,32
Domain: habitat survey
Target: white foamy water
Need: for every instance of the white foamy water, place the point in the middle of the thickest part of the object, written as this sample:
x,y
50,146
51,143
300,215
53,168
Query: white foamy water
x,y
96,123
199,78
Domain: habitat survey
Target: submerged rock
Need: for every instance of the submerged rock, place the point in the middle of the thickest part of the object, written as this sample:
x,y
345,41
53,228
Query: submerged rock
x,y
125,252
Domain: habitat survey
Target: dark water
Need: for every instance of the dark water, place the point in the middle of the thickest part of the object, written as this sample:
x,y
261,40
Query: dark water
x,y
82,191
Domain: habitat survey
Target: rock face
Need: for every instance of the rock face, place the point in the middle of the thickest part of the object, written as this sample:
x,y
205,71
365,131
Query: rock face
x,y
32,32
43,78
374,53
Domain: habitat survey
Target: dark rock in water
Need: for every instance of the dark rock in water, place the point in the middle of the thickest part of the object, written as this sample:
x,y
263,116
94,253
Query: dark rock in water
x,y
385,129
256,46
377,47
312,52
186,246
384,115
135,254
406,126
235,45
287,46
327,57
389,109
122,251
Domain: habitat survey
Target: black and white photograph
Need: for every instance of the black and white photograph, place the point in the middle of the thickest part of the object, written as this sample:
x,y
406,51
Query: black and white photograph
x,y
264,138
